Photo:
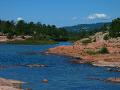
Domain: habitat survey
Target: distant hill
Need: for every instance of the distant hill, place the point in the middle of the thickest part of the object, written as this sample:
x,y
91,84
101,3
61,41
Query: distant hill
x,y
86,26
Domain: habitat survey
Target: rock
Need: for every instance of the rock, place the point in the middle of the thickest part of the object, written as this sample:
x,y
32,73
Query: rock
x,y
3,39
79,51
8,88
45,81
104,63
114,80
7,84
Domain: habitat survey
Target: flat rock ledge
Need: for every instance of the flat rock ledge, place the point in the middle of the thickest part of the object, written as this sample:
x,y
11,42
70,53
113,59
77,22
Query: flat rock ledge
x,y
103,63
8,84
112,59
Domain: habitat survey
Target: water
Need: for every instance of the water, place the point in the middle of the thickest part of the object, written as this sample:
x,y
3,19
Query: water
x,y
61,73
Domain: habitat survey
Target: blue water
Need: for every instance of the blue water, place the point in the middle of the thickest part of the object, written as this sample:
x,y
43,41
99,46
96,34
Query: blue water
x,y
61,73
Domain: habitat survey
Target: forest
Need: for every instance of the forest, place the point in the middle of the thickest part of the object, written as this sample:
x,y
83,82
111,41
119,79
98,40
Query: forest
x,y
40,31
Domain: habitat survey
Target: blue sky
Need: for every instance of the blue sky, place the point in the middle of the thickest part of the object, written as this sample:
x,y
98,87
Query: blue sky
x,y
60,12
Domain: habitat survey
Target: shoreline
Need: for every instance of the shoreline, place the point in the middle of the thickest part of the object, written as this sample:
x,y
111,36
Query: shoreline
x,y
26,41
111,59
32,42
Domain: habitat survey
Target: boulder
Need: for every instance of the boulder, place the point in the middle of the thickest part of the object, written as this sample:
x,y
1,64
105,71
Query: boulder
x,y
45,81
7,84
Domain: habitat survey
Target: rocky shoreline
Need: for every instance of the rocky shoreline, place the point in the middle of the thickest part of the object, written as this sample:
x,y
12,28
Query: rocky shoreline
x,y
4,38
8,84
79,52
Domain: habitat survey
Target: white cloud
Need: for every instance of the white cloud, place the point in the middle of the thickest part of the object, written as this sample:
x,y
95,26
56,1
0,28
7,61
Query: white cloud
x,y
74,18
98,16
19,18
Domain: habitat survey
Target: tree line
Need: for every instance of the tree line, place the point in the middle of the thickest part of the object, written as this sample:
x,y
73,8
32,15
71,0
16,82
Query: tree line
x,y
41,31
36,30
113,29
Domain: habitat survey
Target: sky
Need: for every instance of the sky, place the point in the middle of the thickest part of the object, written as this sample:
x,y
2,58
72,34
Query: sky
x,y
60,12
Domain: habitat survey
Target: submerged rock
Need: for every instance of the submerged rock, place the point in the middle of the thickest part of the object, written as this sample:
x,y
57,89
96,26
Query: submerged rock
x,y
113,69
106,63
114,80
30,53
7,84
95,78
8,88
35,65
45,81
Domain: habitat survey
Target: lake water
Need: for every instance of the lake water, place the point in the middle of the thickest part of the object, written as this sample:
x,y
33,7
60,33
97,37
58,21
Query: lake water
x,y
61,73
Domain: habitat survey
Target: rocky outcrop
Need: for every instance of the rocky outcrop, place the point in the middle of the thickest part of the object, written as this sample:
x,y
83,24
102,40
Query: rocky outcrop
x,y
99,36
45,81
79,50
3,38
7,84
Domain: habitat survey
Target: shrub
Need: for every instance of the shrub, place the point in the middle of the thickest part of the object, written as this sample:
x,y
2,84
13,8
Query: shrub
x,y
106,37
23,37
86,41
10,36
115,28
103,50
90,52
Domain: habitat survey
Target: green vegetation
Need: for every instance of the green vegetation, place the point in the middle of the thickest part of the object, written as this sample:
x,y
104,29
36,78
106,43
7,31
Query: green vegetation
x,y
112,28
106,37
31,42
37,30
42,32
103,50
86,41
91,52
115,28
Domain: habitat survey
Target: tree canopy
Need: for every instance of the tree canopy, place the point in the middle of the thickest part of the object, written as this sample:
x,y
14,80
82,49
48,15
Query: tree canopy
x,y
115,28
36,30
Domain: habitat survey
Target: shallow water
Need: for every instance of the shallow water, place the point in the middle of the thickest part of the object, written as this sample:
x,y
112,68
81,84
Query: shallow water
x,y
61,73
